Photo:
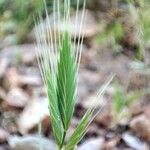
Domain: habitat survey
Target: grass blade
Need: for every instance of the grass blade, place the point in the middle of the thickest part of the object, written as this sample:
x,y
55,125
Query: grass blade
x,y
66,82
79,131
53,107
89,116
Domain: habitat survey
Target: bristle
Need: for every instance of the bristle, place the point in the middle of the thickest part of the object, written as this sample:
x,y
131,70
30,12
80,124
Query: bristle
x,y
78,52
76,25
38,53
58,18
59,65
81,45
50,41
55,28
100,94
52,38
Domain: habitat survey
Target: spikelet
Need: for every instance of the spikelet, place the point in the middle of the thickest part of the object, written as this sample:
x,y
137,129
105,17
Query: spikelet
x,y
59,59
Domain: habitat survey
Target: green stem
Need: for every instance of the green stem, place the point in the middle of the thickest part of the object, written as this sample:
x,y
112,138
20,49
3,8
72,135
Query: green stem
x,y
59,148
64,135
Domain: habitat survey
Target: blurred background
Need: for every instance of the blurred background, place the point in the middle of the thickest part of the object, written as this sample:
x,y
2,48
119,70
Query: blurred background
x,y
116,40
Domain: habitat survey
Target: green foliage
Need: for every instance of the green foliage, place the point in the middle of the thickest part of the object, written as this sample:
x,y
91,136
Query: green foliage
x,y
66,82
115,29
53,105
59,72
102,38
118,100
17,16
142,22
61,90
113,32
79,131
123,100
139,18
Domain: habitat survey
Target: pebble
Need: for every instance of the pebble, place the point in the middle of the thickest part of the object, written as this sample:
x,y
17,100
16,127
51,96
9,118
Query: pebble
x,y
141,126
31,142
92,144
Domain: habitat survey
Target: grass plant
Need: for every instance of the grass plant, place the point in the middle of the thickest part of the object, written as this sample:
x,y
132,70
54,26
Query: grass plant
x,y
59,60
123,101
141,20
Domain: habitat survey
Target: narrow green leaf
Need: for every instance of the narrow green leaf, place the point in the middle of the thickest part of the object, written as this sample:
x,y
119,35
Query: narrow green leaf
x,y
53,107
66,82
118,100
79,131
82,127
